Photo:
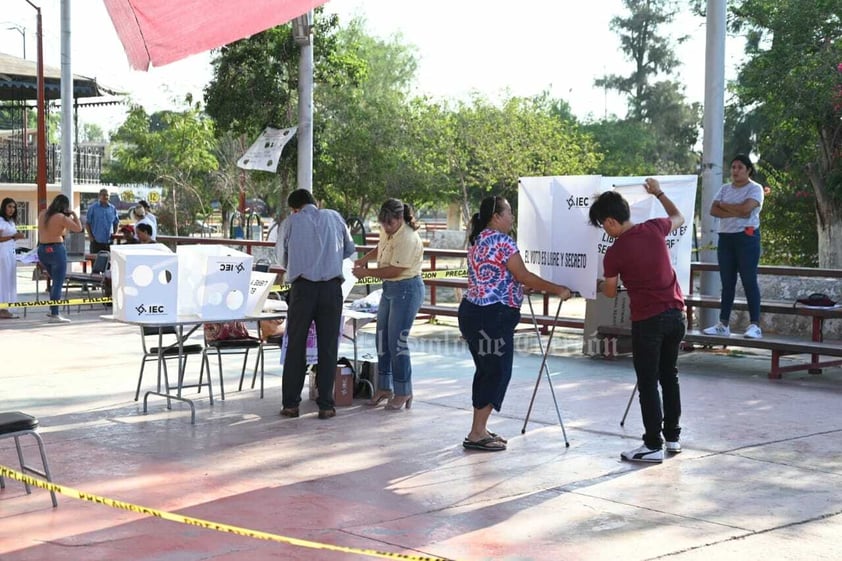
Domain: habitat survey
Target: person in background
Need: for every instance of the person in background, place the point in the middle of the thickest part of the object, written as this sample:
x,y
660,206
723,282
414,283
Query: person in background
x,y
399,255
141,217
101,222
8,264
737,205
640,256
312,243
144,233
490,311
151,218
53,222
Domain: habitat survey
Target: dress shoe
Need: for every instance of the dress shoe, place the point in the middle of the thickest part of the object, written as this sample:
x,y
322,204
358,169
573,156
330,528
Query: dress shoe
x,y
398,402
289,412
380,396
327,413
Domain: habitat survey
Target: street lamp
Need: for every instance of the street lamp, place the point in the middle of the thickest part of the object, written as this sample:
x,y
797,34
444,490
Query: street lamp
x,y
22,30
41,135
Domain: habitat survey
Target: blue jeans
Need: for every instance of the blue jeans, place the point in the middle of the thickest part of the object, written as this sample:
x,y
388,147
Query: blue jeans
x,y
53,256
398,307
490,333
655,343
739,253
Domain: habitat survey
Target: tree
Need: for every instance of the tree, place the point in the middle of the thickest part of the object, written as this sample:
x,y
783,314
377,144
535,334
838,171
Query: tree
x,y
490,147
255,84
366,147
661,105
792,81
174,149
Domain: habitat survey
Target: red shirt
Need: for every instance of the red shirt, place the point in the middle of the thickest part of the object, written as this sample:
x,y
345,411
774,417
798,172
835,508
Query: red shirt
x,y
641,258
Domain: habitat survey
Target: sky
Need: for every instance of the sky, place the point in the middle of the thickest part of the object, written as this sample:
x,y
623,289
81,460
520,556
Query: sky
x,y
463,46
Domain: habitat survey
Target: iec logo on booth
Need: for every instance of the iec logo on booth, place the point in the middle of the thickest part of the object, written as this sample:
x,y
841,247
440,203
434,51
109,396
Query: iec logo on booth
x,y
154,310
578,201
229,267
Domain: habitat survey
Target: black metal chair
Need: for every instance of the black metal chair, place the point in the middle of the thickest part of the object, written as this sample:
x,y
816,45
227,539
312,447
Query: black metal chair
x,y
240,345
169,351
96,278
15,425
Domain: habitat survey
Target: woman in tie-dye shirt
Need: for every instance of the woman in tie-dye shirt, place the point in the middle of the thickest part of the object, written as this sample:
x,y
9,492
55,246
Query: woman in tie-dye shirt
x,y
490,311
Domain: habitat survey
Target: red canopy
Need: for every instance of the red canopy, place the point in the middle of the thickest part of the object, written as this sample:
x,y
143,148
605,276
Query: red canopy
x,y
158,32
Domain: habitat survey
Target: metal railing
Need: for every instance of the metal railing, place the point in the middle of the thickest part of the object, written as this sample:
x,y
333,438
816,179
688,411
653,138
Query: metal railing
x,y
18,163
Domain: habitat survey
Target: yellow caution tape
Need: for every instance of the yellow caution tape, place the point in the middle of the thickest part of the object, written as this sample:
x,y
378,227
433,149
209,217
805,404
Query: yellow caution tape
x,y
25,227
62,302
219,527
446,273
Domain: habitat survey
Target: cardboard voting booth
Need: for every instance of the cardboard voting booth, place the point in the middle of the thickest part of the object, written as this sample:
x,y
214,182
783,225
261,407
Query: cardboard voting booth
x,y
558,243
144,280
213,281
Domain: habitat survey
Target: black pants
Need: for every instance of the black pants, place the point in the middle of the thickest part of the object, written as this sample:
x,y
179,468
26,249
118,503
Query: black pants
x,y
96,247
319,302
655,343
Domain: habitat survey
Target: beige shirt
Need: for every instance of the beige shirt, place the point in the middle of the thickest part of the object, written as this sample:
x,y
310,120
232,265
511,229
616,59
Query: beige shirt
x,y
402,249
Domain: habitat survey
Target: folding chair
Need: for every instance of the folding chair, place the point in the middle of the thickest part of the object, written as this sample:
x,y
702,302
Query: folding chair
x,y
239,343
170,352
15,425
96,277
272,342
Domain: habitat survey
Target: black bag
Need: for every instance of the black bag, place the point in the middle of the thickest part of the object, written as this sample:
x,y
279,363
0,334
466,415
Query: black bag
x,y
367,372
816,299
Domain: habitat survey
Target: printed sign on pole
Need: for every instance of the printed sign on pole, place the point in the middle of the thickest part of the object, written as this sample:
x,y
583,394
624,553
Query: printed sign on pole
x,y
265,153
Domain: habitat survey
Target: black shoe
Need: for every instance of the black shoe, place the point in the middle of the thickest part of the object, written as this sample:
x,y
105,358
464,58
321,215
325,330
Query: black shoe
x,y
327,413
289,412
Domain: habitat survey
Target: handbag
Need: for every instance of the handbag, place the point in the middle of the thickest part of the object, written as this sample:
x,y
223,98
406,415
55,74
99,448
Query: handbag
x,y
226,331
816,299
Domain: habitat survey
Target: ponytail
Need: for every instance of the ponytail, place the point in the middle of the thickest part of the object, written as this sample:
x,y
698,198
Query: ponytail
x,y
479,222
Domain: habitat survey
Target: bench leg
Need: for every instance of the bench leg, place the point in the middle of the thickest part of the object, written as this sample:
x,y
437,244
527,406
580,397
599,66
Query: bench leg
x,y
775,373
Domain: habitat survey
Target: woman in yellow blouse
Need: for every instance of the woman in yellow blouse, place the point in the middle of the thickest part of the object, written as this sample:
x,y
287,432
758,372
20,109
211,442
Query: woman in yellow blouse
x,y
399,255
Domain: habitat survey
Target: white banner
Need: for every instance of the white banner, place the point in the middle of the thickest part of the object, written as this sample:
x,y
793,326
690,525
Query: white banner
x,y
555,240
265,153
558,243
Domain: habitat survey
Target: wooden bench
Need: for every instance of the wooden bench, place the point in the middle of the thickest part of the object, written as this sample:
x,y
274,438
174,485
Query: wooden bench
x,y
540,319
778,345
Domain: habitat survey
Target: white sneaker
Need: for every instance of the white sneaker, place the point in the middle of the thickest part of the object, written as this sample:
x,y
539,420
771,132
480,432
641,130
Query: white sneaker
x,y
753,332
673,447
644,454
58,318
718,329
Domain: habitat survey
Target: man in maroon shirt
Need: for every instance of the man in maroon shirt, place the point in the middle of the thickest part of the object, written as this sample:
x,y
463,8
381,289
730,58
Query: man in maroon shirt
x,y
640,256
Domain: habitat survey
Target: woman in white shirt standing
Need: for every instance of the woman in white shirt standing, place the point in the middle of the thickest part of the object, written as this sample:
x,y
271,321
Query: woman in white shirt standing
x,y
8,267
737,205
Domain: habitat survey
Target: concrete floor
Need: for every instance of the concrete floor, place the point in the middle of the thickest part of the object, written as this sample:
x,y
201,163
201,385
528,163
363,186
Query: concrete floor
x,y
760,476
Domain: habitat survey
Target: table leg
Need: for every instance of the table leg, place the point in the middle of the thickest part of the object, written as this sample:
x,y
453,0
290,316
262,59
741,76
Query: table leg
x,y
818,336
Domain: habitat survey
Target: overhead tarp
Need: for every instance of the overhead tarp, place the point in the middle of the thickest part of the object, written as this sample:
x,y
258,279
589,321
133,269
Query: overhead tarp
x,y
19,81
158,32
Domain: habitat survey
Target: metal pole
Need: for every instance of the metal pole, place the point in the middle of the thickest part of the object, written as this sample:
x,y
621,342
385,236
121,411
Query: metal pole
x,y
712,146
41,135
305,103
66,105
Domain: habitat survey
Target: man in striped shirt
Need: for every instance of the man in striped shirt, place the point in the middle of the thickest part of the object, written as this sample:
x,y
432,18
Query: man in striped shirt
x,y
312,243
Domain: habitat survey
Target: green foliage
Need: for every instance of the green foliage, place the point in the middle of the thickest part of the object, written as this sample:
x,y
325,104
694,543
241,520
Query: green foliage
x,y
657,109
255,84
791,89
788,223
173,149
